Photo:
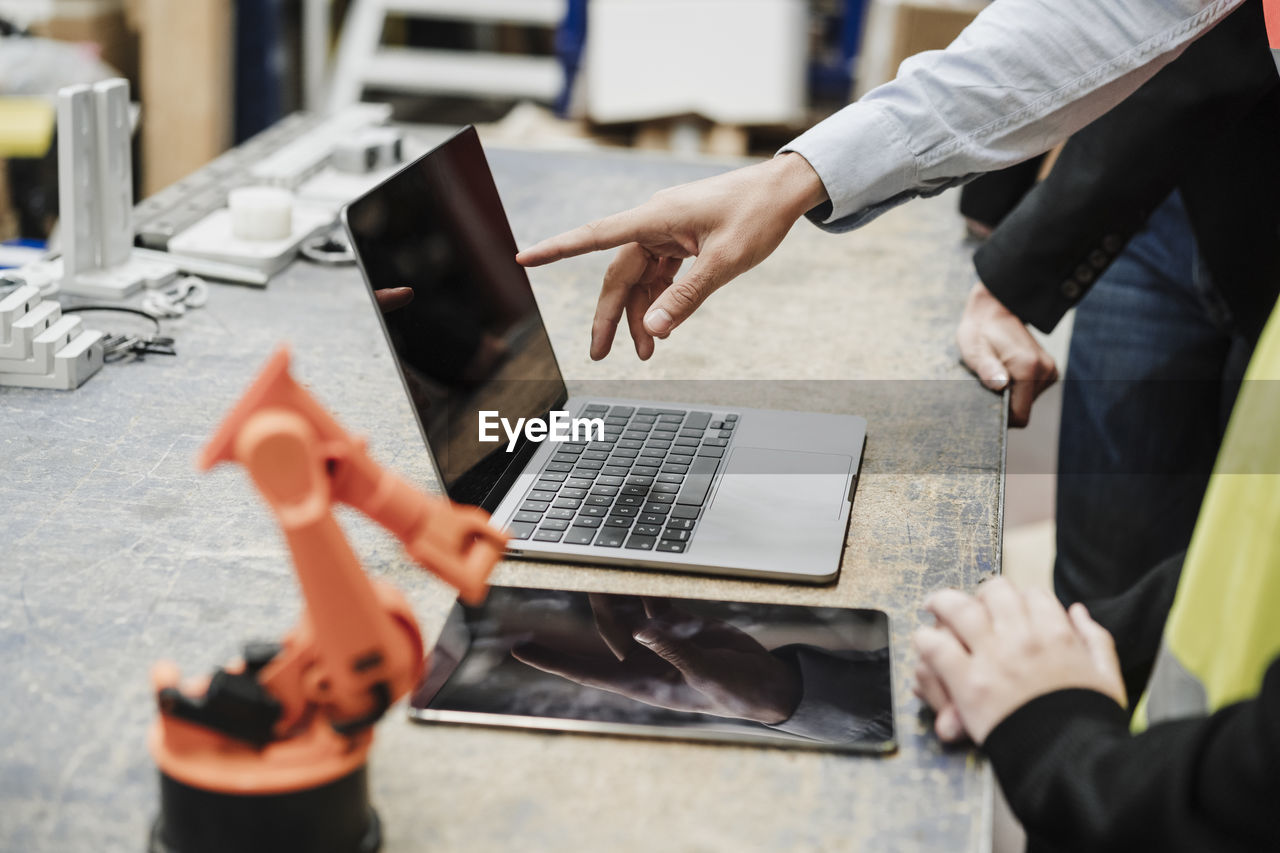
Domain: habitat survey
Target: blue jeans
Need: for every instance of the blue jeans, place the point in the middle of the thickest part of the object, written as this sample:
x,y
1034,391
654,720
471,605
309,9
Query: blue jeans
x,y
1153,371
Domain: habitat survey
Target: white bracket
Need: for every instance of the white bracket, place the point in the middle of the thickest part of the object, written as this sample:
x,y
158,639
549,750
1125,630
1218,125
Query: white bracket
x,y
95,195
41,348
72,366
16,305
25,328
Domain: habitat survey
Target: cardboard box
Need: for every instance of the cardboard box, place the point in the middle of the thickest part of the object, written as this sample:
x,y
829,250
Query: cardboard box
x,y
186,88
897,29
116,42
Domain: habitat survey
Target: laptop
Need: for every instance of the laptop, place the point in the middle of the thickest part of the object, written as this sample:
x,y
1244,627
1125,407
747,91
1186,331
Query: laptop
x,y
712,489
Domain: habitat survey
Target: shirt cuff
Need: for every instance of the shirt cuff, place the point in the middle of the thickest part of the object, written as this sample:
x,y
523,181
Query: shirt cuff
x,y
863,160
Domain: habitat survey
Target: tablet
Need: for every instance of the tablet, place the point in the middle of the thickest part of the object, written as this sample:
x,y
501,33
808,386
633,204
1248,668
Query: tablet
x,y
740,672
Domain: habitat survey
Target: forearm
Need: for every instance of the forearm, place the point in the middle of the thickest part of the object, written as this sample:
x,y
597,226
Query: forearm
x,y
1077,779
1022,77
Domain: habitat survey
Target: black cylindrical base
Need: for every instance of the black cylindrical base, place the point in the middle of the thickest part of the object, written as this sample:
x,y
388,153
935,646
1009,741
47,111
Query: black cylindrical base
x,y
332,818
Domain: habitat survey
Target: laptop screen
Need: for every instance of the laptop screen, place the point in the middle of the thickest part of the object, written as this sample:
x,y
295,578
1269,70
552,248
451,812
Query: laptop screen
x,y
471,337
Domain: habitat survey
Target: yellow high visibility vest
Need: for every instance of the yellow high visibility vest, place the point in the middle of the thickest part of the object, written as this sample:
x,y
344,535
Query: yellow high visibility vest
x,y
1224,628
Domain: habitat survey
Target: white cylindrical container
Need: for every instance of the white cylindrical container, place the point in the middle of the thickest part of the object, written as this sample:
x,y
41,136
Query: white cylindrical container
x,y
261,213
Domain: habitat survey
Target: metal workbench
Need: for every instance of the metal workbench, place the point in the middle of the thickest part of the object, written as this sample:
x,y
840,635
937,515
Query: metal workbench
x,y
114,552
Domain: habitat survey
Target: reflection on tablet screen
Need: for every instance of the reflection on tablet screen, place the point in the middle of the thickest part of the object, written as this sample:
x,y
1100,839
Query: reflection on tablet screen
x,y
816,677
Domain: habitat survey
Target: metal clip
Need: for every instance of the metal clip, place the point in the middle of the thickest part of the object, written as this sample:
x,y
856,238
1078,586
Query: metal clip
x,y
174,301
119,348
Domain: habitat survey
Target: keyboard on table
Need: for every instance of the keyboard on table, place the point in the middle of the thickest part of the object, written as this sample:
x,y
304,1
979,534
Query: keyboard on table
x,y
642,488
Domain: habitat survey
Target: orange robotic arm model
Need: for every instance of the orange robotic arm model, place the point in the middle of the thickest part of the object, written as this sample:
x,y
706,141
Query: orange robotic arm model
x,y
299,714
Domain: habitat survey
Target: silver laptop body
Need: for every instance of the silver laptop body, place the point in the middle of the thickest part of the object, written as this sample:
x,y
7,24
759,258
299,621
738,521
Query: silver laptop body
x,y
674,486
777,505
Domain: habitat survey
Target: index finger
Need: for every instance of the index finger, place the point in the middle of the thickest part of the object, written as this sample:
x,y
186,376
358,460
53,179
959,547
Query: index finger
x,y
963,615
616,618
977,354
602,672
1004,603
607,233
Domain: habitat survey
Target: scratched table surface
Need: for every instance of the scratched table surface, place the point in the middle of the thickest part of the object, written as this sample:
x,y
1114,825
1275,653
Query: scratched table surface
x,y
115,552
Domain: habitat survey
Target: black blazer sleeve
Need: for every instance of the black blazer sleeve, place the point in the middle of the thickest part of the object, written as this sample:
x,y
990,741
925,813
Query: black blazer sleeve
x,y
1078,780
1110,176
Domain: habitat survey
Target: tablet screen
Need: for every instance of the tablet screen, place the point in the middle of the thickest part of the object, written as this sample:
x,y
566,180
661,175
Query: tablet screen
x,y
810,677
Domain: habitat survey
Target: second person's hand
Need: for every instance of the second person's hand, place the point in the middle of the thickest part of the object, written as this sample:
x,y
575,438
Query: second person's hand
x,y
993,652
728,224
995,344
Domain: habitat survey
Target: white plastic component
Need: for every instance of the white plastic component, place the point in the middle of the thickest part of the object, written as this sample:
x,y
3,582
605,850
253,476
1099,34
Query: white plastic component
x,y
43,347
261,213
190,292
15,305
105,284
213,239
333,189
299,160
45,276
155,272
206,268
369,150
24,330
72,366
115,172
95,193
752,72
122,281
78,179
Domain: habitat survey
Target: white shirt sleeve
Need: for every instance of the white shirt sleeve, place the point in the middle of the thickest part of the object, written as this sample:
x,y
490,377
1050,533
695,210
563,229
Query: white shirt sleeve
x,y
1025,75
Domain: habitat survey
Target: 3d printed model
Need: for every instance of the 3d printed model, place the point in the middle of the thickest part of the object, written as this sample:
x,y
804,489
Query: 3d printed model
x,y
40,348
270,754
95,195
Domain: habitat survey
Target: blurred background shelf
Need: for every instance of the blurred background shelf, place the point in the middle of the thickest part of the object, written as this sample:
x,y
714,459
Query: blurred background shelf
x,y
445,72
725,77
363,60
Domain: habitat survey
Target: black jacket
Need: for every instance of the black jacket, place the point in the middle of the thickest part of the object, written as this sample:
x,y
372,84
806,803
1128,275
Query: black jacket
x,y
1207,124
1079,781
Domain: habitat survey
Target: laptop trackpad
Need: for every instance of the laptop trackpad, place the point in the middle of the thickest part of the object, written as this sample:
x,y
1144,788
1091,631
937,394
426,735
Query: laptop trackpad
x,y
781,487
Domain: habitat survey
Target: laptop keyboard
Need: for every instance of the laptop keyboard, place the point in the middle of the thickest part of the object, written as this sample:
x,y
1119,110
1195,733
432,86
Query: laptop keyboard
x,y
642,488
